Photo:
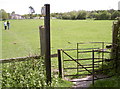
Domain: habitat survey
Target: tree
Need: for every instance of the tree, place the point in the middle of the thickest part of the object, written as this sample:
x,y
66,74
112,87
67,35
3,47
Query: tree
x,y
103,15
3,14
73,15
94,15
81,14
115,14
9,16
0,15
13,13
26,16
111,11
66,16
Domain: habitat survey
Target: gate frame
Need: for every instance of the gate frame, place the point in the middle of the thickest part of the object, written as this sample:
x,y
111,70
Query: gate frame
x,y
93,60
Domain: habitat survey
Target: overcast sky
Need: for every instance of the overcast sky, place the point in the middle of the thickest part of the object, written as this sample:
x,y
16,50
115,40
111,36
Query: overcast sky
x,y
21,6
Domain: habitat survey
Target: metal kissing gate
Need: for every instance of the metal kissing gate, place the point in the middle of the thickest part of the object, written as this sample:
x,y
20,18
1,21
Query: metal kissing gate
x,y
90,58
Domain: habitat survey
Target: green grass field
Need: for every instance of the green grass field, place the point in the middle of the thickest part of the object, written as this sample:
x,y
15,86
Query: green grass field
x,y
23,37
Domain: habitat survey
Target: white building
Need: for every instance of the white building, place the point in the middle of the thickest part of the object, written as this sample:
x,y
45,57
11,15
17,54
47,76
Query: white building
x,y
16,16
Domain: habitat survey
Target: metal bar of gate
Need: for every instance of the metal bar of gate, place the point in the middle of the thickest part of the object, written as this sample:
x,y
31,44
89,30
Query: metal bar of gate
x,y
59,64
93,68
77,62
102,54
77,57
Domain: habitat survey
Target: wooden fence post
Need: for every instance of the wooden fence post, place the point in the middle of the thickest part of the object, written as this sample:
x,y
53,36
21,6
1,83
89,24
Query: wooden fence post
x,y
115,43
115,32
114,39
42,40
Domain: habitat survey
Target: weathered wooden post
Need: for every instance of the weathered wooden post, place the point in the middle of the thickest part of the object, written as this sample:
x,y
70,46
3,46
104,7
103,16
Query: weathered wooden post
x,y
115,42
114,35
42,40
45,41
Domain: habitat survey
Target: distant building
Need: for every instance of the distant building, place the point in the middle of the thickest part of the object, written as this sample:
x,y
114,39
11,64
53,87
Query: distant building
x,y
53,18
50,18
17,16
41,17
36,17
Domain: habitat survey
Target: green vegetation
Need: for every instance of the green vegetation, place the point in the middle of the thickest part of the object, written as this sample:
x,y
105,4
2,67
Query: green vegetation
x,y
82,14
118,40
0,40
3,14
113,82
23,37
28,73
72,15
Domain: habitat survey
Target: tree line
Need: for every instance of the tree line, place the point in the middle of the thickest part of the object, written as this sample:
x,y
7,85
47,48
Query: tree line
x,y
82,14
72,15
4,15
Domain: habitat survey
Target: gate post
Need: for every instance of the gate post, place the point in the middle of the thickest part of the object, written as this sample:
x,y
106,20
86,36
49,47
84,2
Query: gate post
x,y
59,63
45,41
114,39
47,49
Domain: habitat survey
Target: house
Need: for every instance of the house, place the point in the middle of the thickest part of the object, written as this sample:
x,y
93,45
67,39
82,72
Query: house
x,y
16,16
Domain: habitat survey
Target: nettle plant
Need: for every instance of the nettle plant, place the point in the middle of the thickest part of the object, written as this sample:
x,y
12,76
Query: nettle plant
x,y
28,73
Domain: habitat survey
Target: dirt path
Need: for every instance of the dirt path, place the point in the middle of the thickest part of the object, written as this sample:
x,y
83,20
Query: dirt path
x,y
79,83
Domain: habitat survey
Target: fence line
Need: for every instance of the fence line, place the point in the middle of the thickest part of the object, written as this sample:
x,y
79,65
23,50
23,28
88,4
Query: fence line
x,y
23,58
